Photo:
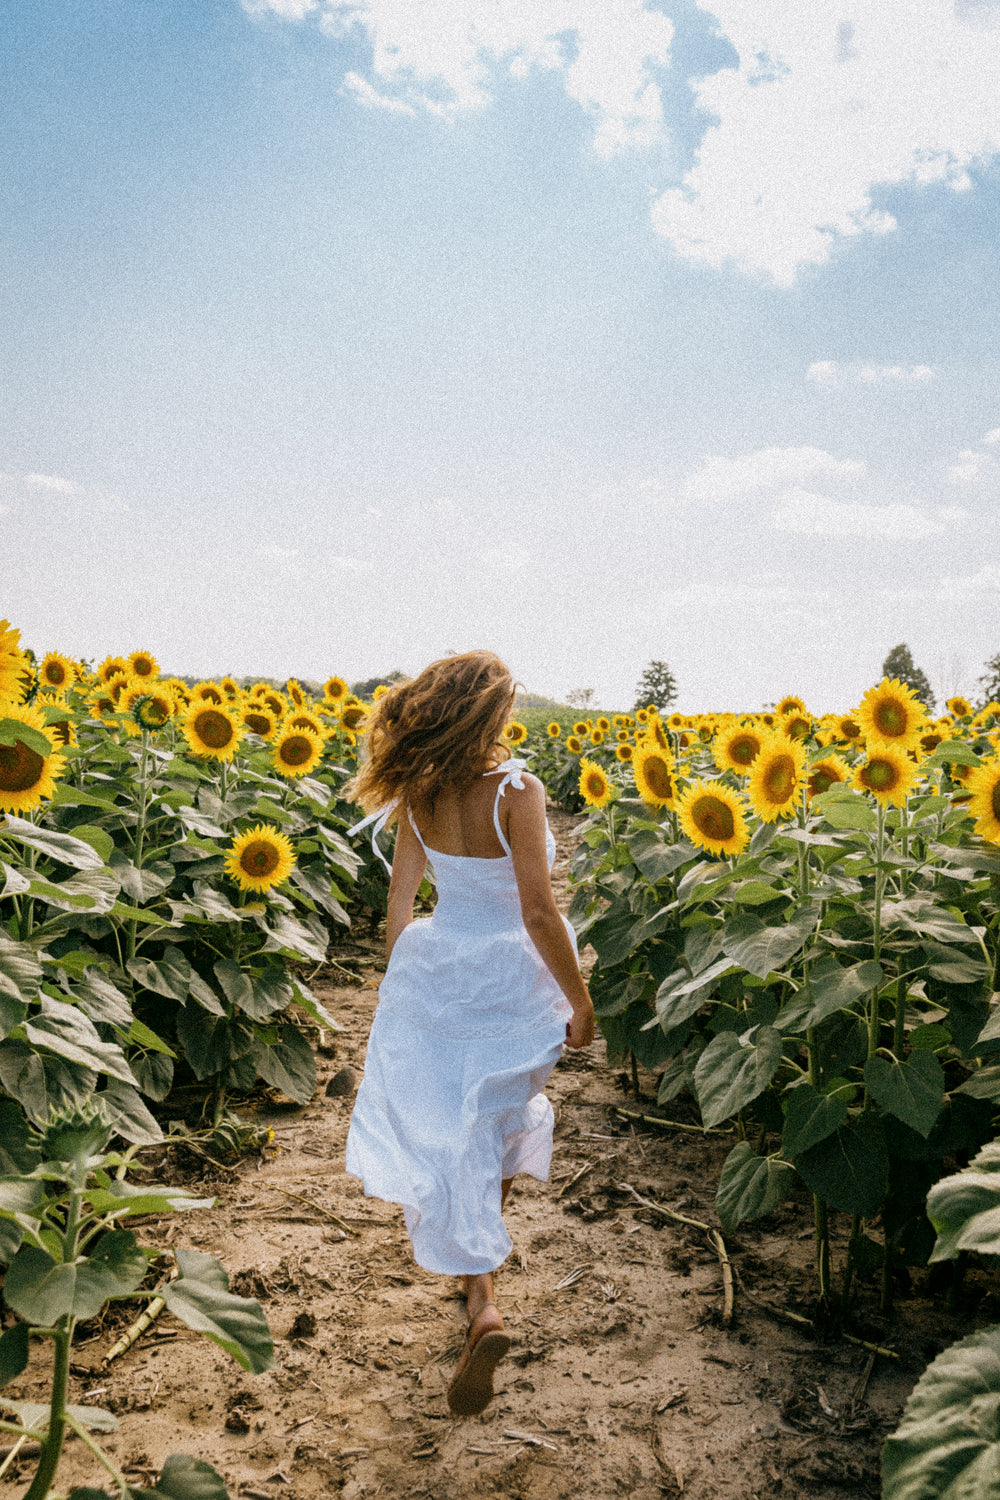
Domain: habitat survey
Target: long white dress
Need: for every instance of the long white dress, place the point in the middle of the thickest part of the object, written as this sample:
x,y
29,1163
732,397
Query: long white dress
x,y
468,1027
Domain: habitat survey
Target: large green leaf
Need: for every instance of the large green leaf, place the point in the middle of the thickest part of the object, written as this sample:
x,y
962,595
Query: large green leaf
x,y
730,1073
14,732
849,1170
183,1478
169,975
965,1208
751,1186
917,914
761,950
22,1074
60,846
304,996
298,939
951,753
657,859
13,1353
289,1065
912,1090
842,809
101,1000
947,1446
211,1043
18,1151
127,1113
41,1290
20,970
809,1118
831,987
124,1200
66,1031
201,1298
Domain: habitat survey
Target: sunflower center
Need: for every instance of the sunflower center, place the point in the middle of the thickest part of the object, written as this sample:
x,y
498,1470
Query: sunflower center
x,y
890,717
213,729
259,723
849,729
779,779
142,668
796,727
995,799
744,749
210,695
713,818
296,750
657,774
880,775
61,731
259,859
595,784
821,781
20,768
55,673
353,717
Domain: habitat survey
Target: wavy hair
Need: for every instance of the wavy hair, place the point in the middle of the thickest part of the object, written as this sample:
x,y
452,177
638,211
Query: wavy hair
x,y
440,730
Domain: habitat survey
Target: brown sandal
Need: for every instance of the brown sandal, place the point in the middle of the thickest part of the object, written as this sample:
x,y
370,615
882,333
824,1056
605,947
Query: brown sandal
x,y
471,1390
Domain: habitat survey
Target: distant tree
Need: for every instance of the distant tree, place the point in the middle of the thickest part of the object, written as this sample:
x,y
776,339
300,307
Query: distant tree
x,y
900,664
989,683
366,688
580,697
657,685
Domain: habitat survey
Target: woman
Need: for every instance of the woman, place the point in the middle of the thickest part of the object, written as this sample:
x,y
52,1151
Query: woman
x,y
477,1001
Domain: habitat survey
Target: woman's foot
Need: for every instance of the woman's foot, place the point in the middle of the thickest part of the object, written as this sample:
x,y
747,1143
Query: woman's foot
x,y
486,1343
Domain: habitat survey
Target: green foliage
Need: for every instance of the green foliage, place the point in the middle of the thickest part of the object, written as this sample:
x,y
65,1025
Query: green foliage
x,y
989,682
899,664
657,685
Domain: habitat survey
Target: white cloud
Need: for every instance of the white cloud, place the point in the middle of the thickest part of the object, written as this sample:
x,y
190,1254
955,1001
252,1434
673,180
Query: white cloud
x,y
723,479
972,586
817,115
438,56
968,467
829,372
52,483
810,514
992,437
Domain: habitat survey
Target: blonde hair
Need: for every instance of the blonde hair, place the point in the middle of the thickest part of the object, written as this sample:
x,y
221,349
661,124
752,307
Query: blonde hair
x,y
442,729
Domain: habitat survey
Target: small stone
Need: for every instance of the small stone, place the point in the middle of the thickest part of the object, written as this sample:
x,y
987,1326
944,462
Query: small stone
x,y
342,1083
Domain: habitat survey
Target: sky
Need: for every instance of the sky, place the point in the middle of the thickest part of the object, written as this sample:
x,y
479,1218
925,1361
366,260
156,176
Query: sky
x,y
338,336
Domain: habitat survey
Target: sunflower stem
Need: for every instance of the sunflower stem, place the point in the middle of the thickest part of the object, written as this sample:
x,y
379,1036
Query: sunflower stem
x,y
140,832
899,1020
904,841
873,1008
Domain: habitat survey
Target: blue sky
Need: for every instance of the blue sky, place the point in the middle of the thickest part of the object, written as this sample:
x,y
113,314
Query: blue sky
x,y
336,337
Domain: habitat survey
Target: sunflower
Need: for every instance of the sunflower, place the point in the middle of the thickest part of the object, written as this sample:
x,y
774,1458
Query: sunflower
x,y
984,804
790,705
597,736
296,752
335,688
118,687
892,714
260,858
259,720
581,727
653,770
26,774
574,744
624,752
736,749
154,707
354,713
56,672
276,702
595,788
142,664
230,687
795,726
930,741
776,777
380,691
100,705
12,660
61,731
847,727
211,729
295,692
515,733
823,774
959,707
553,730
110,665
711,814
888,773
604,724
179,688
305,720
641,715
208,692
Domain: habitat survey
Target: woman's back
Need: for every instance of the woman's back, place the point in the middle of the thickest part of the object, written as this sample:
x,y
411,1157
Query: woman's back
x,y
462,823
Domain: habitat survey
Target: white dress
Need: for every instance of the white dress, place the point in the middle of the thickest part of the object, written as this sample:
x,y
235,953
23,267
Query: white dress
x,y
468,1027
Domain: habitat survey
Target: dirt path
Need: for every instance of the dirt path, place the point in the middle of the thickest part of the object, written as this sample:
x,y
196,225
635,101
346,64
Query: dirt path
x,y
621,1381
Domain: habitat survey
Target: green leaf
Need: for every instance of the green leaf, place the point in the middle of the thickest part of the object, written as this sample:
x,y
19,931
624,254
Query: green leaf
x,y
951,752
211,1043
984,1084
98,838
123,1200
947,1446
917,914
762,950
305,939
140,1036
126,913
655,858
170,975
912,1090
13,732
312,1007
846,811
809,1118
729,1073
74,796
22,1074
201,1298
60,846
68,1033
20,970
187,1478
751,1186
41,1290
965,1208
289,1066
954,966
755,893
850,1169
13,1353
129,1116
102,1001
236,986
831,987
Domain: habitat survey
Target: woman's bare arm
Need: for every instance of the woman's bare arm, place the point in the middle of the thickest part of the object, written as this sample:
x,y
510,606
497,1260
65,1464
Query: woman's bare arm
x,y
408,864
541,916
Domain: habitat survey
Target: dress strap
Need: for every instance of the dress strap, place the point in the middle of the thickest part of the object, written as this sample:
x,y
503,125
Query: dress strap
x,y
416,830
511,776
379,819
